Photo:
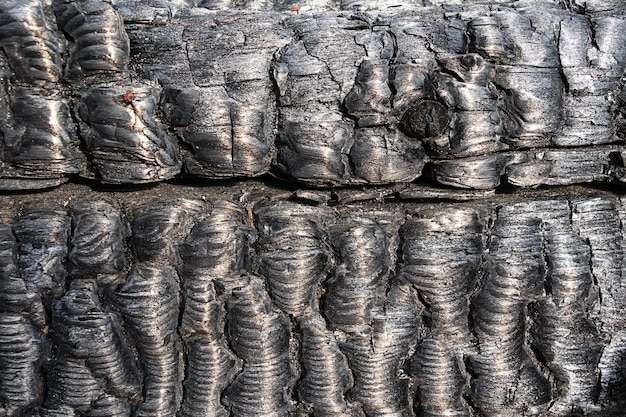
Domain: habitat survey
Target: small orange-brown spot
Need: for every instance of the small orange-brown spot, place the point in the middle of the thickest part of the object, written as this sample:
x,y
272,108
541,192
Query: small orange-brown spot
x,y
250,217
129,96
295,8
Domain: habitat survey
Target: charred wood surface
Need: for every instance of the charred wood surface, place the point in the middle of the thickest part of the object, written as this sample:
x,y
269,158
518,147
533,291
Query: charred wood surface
x,y
203,301
471,94
357,237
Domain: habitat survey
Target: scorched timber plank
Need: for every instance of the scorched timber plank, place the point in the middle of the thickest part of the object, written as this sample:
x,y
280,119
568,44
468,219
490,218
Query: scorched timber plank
x,y
203,301
474,95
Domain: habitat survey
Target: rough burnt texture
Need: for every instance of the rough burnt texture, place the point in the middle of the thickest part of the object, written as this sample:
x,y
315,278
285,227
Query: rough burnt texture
x,y
144,305
470,95
403,271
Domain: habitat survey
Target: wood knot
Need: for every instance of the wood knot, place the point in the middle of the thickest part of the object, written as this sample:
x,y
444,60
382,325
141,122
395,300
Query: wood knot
x,y
472,61
424,119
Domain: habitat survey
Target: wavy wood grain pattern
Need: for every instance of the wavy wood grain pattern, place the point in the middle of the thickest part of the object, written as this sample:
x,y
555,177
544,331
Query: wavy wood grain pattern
x,y
195,304
471,95
392,266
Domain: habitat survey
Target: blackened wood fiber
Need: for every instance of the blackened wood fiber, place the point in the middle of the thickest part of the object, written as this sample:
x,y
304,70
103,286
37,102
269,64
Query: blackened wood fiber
x,y
470,94
124,305
413,291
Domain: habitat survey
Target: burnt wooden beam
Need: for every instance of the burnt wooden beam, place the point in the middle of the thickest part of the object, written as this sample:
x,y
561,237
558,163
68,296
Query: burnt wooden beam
x,y
195,301
469,95
324,208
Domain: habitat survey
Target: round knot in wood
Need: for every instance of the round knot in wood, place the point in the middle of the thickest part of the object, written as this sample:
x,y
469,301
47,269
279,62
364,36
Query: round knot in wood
x,y
424,119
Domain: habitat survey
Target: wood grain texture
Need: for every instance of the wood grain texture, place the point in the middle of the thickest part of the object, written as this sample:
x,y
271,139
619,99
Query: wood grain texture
x,y
191,303
389,261
471,95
